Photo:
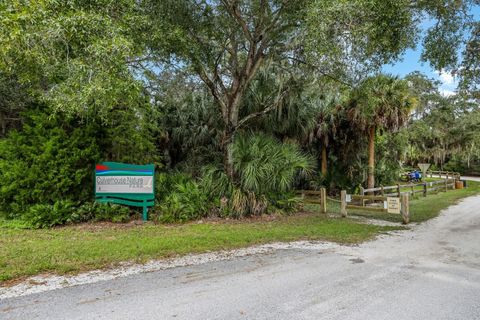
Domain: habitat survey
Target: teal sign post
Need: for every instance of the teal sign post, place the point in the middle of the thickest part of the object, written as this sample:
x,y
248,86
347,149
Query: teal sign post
x,y
127,184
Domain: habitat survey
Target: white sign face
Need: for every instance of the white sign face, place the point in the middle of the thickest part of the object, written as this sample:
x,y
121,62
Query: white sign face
x,y
349,198
393,205
424,167
124,184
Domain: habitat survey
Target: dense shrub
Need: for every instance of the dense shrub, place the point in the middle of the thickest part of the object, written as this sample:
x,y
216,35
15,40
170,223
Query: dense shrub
x,y
179,199
46,161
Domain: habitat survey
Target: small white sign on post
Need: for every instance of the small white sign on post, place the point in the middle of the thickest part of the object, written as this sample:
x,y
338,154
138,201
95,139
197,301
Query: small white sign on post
x,y
424,167
348,198
393,205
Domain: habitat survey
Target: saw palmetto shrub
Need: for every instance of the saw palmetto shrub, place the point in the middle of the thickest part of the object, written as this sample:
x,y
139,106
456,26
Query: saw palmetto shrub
x,y
265,170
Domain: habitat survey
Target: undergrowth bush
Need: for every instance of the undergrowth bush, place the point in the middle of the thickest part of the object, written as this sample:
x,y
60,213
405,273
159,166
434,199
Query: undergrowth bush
x,y
179,199
95,211
65,212
46,216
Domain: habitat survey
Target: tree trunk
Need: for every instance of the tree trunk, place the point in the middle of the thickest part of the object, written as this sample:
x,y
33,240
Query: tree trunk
x,y
371,158
3,125
228,136
324,160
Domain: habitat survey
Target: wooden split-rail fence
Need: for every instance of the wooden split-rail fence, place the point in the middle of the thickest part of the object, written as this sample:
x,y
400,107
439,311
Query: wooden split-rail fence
x,y
383,199
352,202
414,189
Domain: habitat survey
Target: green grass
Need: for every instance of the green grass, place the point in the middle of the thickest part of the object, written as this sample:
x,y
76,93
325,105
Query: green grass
x,y
425,208
86,247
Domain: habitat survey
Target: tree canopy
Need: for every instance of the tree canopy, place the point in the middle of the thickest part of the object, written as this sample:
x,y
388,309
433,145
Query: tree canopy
x,y
239,100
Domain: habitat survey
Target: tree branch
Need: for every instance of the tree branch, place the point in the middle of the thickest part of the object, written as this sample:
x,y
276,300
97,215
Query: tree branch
x,y
234,11
321,71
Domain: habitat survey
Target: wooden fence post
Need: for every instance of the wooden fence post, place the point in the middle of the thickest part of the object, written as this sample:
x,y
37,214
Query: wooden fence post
x,y
362,192
382,191
424,189
398,190
405,208
446,183
323,200
343,205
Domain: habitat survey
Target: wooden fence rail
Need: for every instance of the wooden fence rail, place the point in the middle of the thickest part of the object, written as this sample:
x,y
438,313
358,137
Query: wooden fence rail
x,y
367,200
320,197
355,202
412,188
446,174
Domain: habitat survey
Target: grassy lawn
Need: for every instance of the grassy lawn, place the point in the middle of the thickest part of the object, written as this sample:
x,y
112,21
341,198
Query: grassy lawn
x,y
85,247
424,208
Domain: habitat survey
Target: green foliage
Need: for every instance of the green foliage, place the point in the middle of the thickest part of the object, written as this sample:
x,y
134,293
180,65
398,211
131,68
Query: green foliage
x,y
166,181
96,211
179,199
192,127
265,165
383,102
130,134
51,158
354,36
14,98
389,149
48,160
294,97
74,53
266,172
65,212
446,136
129,80
47,216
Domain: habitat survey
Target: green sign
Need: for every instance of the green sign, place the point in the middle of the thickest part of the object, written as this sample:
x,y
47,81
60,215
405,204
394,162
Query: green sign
x,y
127,184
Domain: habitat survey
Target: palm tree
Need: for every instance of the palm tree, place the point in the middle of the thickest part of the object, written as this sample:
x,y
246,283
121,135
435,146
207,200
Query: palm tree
x,y
326,126
380,103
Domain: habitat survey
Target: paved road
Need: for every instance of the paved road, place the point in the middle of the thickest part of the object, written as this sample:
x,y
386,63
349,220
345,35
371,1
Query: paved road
x,y
471,178
429,272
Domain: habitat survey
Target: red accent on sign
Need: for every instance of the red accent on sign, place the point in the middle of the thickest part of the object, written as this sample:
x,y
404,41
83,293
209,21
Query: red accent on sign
x,y
101,167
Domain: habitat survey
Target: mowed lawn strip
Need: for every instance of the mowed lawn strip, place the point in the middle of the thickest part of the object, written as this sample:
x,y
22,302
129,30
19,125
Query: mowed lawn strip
x,y
425,208
81,248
